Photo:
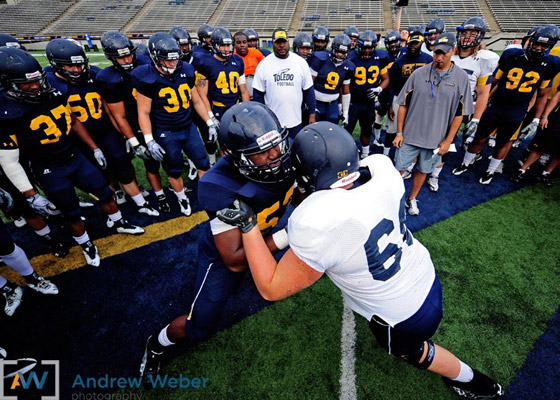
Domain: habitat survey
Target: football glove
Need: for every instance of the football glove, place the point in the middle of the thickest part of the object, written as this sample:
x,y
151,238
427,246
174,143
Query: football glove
x,y
470,128
529,130
156,150
100,158
216,122
240,215
6,201
42,206
373,93
212,133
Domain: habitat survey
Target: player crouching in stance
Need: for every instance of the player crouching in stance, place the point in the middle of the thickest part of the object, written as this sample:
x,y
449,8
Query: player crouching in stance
x,y
257,170
384,274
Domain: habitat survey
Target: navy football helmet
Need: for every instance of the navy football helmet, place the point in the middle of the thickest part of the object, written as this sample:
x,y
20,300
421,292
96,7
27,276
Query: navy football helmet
x,y
434,28
183,39
251,128
204,31
252,37
545,36
222,37
352,31
392,42
62,52
341,45
9,41
320,36
367,40
117,45
163,47
19,67
303,40
554,29
324,156
471,24
141,48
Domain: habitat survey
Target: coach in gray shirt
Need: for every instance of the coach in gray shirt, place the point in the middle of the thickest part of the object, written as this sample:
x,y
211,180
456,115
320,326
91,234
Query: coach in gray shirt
x,y
431,108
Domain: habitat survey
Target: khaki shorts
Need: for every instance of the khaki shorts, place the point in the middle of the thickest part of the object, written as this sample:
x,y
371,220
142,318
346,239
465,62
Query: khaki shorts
x,y
391,126
407,153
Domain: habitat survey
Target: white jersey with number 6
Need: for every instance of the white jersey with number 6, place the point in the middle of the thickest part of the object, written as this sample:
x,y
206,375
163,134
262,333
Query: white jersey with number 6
x,y
358,238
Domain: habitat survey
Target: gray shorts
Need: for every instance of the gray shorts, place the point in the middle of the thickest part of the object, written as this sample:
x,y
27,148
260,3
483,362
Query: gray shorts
x,y
426,162
391,126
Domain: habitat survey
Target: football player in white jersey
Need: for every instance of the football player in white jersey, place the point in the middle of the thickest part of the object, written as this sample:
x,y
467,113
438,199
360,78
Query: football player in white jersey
x,y
364,247
479,65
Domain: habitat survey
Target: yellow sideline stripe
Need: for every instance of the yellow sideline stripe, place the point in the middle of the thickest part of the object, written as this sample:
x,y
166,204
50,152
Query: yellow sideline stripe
x,y
48,265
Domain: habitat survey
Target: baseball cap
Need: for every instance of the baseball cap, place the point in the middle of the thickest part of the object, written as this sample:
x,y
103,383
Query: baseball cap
x,y
415,37
279,34
445,42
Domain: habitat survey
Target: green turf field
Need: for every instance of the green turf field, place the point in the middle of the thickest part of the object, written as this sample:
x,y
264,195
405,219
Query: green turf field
x,y
498,287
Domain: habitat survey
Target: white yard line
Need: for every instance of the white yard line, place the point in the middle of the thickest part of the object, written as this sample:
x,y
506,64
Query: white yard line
x,y
347,362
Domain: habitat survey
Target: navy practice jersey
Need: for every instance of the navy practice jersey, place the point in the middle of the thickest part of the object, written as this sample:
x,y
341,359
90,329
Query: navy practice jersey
x,y
201,51
86,104
265,52
329,76
403,67
368,72
171,96
223,184
519,78
116,86
39,130
223,78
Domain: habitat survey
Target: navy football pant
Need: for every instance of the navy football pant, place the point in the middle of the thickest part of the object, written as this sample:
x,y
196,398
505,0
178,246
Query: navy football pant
x,y
327,111
119,163
59,179
506,118
363,112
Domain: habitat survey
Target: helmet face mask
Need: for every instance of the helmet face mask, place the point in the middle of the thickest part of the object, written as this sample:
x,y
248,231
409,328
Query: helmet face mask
x,y
119,49
320,38
367,42
250,133
22,77
165,54
204,33
340,48
541,42
393,43
68,59
471,33
432,31
303,45
222,44
183,39
252,38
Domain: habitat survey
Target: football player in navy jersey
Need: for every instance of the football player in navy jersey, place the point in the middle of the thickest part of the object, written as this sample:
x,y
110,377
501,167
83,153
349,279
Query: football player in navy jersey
x,y
353,33
40,118
370,79
166,91
70,65
332,73
253,41
520,74
399,72
205,46
184,41
256,169
303,45
115,86
321,37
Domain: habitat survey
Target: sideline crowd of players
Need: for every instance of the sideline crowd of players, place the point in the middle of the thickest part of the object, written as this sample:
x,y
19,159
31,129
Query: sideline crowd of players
x,y
73,125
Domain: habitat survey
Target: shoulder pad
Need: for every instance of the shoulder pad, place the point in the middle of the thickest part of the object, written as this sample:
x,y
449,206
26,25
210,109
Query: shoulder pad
x,y
143,60
10,109
144,73
59,85
109,75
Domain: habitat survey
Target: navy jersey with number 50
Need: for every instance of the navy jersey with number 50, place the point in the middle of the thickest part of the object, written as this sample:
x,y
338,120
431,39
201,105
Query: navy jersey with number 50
x,y
519,78
223,78
368,72
329,77
39,130
171,96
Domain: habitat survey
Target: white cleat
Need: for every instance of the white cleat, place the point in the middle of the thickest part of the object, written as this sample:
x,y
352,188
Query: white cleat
x,y
13,300
91,254
185,206
43,286
148,210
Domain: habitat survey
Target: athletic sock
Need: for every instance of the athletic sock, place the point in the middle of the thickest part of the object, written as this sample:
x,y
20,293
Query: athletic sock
x,y
82,239
116,216
180,195
494,164
469,157
437,171
386,150
18,261
139,199
159,192
466,374
162,338
43,232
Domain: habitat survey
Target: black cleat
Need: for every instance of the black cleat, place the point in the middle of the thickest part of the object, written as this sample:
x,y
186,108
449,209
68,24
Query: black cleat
x,y
163,203
481,387
545,180
150,365
56,247
486,178
460,169
518,176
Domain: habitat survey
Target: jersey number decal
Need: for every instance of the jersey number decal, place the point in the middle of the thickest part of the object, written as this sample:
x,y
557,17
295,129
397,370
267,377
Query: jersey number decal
x,y
227,86
514,77
170,94
51,129
361,75
332,80
93,103
269,217
379,249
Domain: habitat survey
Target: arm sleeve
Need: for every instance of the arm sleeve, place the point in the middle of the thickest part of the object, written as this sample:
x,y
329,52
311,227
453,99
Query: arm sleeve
x,y
9,160
309,99
258,96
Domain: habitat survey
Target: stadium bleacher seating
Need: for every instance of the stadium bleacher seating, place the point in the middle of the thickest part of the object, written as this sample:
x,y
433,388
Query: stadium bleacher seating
x,y
96,17
454,13
161,15
261,15
522,15
337,15
28,17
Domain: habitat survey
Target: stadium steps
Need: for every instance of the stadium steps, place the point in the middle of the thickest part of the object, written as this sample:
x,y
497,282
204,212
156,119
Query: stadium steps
x,y
137,15
489,17
217,12
54,21
387,16
293,30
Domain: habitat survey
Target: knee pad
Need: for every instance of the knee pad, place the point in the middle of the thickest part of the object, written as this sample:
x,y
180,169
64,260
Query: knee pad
x,y
152,166
414,358
174,172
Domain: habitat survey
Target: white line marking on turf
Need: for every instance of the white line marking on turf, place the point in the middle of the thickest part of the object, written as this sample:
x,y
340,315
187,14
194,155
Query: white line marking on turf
x,y
347,362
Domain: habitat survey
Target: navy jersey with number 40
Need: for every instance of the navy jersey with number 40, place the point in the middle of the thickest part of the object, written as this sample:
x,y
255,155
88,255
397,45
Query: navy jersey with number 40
x,y
329,76
171,96
223,78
